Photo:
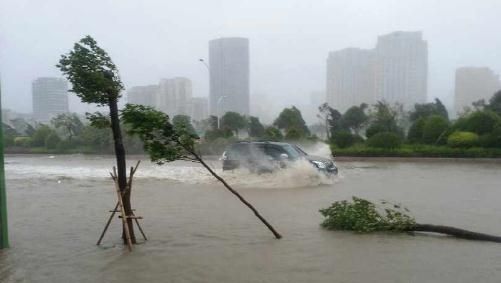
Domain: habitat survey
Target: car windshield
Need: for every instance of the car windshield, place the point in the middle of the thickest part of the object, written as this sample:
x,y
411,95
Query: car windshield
x,y
300,150
291,151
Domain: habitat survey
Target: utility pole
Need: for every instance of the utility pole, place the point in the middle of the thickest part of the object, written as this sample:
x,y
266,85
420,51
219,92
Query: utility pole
x,y
4,235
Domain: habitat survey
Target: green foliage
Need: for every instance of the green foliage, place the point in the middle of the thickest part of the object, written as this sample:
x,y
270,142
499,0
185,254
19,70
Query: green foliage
x,y
40,135
343,139
383,119
426,110
363,216
492,139
375,129
97,139
462,139
256,129
233,121
291,118
22,141
294,134
495,103
417,150
332,118
273,134
52,140
415,134
92,73
434,129
70,123
98,120
386,140
355,118
182,123
212,135
479,122
9,134
161,140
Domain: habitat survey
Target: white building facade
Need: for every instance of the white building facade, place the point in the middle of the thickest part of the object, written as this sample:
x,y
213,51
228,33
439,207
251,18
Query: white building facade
x,y
174,96
49,98
401,68
350,78
229,75
473,84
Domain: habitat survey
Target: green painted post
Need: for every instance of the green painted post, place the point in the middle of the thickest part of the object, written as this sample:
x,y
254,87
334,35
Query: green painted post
x,y
4,235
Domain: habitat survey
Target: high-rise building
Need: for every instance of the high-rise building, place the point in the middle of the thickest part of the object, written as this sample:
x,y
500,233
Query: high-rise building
x,y
229,75
401,68
473,84
143,95
350,78
174,96
50,98
199,108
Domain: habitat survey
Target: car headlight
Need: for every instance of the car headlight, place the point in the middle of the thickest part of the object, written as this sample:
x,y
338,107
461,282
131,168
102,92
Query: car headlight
x,y
319,164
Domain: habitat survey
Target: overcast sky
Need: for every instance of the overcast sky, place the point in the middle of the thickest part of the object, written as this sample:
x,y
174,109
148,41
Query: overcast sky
x,y
289,40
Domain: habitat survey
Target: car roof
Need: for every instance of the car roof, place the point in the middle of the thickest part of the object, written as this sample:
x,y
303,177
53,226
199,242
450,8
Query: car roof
x,y
262,142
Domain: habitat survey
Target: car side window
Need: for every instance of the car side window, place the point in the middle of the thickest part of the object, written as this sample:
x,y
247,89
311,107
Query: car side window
x,y
238,151
274,151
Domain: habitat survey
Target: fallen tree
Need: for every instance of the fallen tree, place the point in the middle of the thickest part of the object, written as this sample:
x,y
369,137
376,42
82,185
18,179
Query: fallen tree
x,y
363,216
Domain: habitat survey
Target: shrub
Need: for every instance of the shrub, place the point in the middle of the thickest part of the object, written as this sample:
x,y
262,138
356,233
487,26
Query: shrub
x,y
492,139
479,122
374,129
294,134
434,129
343,139
384,140
462,139
22,141
273,134
415,134
52,141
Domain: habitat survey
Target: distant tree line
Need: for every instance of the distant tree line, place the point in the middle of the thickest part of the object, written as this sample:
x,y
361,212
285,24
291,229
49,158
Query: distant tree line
x,y
388,126
377,126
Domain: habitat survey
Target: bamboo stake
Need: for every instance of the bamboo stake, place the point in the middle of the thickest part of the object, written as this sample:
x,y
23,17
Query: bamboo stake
x,y
124,216
107,224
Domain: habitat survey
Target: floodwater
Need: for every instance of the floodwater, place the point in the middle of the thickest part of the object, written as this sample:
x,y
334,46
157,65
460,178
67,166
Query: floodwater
x,y
199,232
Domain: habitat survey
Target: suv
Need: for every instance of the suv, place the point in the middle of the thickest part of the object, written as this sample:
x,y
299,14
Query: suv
x,y
267,156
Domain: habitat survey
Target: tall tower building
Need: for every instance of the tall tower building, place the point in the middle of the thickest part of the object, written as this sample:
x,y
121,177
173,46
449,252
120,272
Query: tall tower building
x,y
401,68
174,96
50,98
143,95
473,84
350,78
229,75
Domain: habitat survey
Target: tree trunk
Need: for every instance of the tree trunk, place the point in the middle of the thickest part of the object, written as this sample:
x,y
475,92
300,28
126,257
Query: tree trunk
x,y
121,166
256,213
456,232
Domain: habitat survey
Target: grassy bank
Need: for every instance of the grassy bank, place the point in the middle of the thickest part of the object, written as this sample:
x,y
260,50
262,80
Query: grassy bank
x,y
417,151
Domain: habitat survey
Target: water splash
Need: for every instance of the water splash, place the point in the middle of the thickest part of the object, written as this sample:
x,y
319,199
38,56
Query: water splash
x,y
61,170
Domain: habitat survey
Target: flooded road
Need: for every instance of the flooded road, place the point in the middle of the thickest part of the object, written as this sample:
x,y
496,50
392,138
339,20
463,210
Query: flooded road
x,y
199,232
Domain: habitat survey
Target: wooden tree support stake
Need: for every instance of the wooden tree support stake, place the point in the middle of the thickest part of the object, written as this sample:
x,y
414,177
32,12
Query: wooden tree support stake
x,y
120,209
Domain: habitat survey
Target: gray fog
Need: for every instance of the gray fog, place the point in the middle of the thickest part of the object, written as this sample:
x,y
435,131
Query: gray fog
x,y
289,40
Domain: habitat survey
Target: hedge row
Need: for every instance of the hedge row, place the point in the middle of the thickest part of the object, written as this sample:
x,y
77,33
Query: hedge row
x,y
417,151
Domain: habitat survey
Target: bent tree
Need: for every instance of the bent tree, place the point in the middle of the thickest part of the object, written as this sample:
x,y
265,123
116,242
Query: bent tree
x,y
95,79
165,141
